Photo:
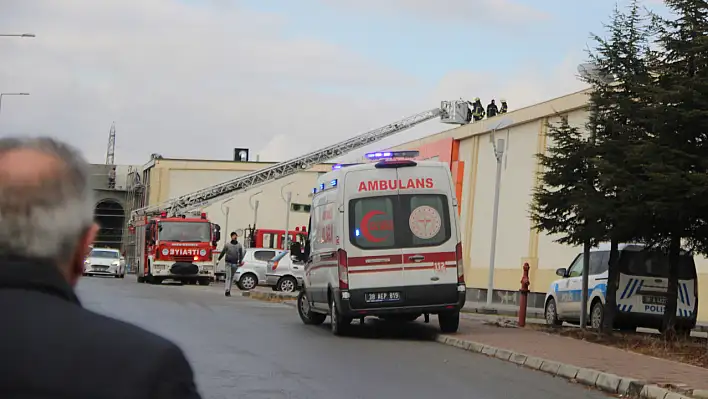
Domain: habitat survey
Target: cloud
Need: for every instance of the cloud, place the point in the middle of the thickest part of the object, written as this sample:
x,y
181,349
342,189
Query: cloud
x,y
528,84
178,79
481,11
196,79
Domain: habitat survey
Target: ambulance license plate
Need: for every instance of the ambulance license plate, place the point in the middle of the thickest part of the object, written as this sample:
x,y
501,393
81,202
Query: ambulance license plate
x,y
376,297
653,300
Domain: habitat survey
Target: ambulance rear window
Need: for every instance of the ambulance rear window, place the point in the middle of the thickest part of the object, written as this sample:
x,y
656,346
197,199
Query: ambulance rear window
x,y
404,221
372,221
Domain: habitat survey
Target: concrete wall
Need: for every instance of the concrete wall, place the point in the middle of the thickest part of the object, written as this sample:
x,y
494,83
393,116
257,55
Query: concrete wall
x,y
172,178
473,159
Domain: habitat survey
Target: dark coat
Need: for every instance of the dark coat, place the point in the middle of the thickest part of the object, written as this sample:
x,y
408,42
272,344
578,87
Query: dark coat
x,y
51,347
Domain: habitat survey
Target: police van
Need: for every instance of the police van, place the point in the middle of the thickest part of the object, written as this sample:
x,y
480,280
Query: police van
x,y
384,241
641,289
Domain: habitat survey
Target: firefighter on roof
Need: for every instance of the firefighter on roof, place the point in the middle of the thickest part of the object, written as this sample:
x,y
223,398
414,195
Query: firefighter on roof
x,y
477,110
492,110
504,107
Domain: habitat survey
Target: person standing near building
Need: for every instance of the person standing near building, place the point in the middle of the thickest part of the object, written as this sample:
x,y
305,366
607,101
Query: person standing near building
x,y
233,251
504,107
48,340
112,178
492,110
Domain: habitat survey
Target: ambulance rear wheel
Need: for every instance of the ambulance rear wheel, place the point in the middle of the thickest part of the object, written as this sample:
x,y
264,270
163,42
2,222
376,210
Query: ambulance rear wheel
x,y
339,323
306,314
449,321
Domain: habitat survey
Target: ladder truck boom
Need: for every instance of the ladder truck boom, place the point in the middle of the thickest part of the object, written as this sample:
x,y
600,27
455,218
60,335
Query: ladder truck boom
x,y
207,196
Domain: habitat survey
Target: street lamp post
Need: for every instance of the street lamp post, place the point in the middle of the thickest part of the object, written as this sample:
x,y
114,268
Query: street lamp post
x,y
254,207
17,35
10,94
498,146
287,198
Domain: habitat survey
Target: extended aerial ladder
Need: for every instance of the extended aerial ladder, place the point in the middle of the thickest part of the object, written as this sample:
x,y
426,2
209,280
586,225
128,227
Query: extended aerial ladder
x,y
452,112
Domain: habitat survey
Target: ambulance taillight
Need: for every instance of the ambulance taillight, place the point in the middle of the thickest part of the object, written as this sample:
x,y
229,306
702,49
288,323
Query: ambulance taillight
x,y
343,269
460,264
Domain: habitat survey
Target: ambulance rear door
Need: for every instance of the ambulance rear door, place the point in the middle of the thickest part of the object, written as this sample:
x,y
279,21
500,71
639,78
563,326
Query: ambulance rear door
x,y
428,228
374,261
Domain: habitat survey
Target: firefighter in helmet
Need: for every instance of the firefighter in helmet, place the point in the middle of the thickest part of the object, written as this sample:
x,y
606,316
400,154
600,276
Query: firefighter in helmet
x,y
492,110
477,110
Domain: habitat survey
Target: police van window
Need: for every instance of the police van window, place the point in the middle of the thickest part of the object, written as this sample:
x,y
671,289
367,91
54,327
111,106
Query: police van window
x,y
371,222
655,264
598,262
428,219
576,269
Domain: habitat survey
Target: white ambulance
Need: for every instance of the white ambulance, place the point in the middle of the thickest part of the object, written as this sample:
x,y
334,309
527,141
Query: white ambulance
x,y
385,242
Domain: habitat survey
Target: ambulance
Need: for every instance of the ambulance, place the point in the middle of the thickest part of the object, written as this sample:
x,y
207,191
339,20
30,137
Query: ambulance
x,y
384,241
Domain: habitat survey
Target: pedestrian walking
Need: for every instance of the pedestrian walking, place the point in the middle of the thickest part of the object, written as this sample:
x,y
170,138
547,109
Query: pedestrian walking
x,y
233,251
50,346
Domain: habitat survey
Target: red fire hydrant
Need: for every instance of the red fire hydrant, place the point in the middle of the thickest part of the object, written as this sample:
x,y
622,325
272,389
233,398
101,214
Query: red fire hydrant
x,y
524,291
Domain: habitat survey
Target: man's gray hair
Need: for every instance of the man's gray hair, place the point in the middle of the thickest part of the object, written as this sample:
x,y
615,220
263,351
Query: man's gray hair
x,y
46,218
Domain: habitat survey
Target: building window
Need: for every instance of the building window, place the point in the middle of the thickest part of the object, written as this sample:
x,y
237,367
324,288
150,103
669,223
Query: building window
x,y
304,208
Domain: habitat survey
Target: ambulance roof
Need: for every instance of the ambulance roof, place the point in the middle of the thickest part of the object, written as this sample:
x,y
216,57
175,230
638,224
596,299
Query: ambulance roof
x,y
337,173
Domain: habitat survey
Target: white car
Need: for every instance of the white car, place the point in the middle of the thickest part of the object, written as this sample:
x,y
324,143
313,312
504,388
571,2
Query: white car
x,y
104,262
285,273
642,289
253,271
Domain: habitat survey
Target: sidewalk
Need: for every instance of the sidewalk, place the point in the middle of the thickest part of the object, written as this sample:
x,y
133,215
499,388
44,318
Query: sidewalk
x,y
583,354
531,313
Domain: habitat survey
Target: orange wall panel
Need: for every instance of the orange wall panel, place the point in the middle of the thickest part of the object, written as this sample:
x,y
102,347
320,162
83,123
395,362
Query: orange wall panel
x,y
447,150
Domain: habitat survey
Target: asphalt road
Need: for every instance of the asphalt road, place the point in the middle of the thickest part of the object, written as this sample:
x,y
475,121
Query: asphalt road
x,y
242,348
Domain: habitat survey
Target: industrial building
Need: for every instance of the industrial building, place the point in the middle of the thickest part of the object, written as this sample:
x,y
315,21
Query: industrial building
x,y
164,178
470,151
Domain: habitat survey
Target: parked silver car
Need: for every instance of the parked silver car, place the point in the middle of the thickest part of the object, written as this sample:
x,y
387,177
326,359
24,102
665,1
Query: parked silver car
x,y
253,271
104,262
285,273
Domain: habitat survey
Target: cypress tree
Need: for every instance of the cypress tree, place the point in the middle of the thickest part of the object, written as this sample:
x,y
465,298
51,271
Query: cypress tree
x,y
675,157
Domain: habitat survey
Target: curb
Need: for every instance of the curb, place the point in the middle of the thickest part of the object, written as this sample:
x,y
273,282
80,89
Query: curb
x,y
270,296
606,382
530,313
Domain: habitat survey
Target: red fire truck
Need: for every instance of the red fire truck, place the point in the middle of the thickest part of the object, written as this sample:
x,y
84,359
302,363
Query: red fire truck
x,y
272,238
175,248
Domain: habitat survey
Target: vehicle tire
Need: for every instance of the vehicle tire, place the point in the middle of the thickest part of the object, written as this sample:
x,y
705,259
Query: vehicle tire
x,y
141,279
247,282
597,315
204,281
339,323
286,284
306,314
550,313
449,321
117,276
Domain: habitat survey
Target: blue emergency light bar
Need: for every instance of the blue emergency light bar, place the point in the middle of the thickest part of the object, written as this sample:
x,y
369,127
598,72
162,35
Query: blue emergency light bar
x,y
342,165
392,154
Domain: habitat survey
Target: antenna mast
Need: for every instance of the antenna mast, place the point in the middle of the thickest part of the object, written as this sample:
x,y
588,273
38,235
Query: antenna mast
x,y
111,152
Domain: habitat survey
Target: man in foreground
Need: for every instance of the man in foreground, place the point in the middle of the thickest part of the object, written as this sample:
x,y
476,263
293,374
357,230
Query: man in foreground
x,y
50,346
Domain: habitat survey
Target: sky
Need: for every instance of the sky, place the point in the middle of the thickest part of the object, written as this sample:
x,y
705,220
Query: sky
x,y
197,78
